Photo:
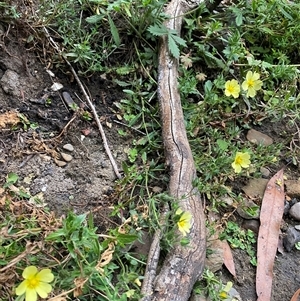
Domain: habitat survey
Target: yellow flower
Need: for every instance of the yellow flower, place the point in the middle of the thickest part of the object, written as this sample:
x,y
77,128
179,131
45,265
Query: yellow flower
x,y
252,83
137,282
232,87
35,283
224,294
184,223
241,160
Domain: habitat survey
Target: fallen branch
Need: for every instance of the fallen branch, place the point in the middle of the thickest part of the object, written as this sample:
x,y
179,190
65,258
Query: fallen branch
x,y
101,130
183,265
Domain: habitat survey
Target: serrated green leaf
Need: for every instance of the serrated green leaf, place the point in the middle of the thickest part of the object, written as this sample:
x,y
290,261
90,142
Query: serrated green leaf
x,y
173,47
179,40
114,31
94,19
158,30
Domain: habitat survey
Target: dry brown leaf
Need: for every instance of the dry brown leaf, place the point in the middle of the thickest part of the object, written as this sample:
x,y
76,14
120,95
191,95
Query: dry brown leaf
x,y
186,60
270,218
228,258
106,257
9,118
296,295
79,283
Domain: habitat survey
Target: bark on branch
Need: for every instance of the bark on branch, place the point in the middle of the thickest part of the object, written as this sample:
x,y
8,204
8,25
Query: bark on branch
x,y
183,265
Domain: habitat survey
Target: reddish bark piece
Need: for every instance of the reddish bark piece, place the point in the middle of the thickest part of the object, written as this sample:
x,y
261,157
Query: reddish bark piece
x,y
270,218
296,295
228,258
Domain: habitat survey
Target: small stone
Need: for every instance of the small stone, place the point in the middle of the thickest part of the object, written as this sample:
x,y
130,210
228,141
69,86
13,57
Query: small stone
x,y
295,212
251,224
66,157
287,207
10,83
233,294
292,188
68,100
256,187
69,147
257,137
297,227
227,200
60,163
265,172
157,189
215,260
56,87
292,236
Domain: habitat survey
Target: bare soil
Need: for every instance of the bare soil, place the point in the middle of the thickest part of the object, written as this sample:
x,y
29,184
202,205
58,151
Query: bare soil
x,y
87,182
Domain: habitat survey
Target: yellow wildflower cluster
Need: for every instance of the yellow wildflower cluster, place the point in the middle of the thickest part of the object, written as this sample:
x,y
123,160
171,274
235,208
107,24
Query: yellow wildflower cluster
x,y
251,84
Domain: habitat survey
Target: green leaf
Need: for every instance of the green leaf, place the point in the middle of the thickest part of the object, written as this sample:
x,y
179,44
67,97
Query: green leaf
x,y
239,19
158,30
179,40
124,239
12,178
208,86
114,31
58,233
223,145
173,48
122,83
94,19
132,155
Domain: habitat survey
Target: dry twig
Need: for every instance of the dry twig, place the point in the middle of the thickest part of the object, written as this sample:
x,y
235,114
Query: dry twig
x,y
101,130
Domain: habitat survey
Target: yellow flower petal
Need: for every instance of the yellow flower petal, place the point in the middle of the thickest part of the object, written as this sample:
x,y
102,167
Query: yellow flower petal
x,y
257,85
237,168
29,272
43,289
45,275
31,295
251,92
178,211
245,86
255,76
249,75
20,290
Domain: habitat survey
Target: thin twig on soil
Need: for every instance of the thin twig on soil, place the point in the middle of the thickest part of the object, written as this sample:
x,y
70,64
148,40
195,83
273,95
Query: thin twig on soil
x,y
101,130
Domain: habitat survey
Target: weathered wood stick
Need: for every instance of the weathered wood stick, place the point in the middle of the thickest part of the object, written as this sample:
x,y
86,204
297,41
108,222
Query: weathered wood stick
x,y
184,264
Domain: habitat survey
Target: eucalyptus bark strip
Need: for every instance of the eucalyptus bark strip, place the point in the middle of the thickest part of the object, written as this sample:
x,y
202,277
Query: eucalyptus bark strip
x,y
184,264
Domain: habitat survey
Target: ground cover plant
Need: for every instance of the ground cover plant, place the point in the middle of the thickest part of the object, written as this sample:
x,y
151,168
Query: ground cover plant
x,y
238,68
